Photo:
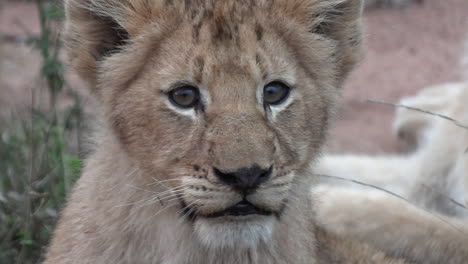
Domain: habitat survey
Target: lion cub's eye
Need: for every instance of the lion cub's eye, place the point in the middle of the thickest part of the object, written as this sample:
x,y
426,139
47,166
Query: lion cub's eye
x,y
184,97
275,93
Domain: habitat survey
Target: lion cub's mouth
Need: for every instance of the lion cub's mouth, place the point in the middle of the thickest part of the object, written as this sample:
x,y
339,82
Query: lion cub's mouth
x,y
242,208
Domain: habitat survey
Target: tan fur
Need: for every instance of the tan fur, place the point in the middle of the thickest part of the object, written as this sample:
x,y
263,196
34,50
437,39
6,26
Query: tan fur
x,y
152,158
433,226
392,225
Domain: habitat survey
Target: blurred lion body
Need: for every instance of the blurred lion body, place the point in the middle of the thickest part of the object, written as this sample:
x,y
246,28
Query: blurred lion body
x,y
434,177
431,174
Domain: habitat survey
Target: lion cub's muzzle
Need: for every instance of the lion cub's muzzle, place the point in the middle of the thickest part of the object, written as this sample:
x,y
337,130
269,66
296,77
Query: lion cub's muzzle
x,y
244,180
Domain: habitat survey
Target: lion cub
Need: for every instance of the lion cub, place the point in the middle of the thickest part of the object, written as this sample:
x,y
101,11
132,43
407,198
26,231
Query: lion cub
x,y
213,111
433,178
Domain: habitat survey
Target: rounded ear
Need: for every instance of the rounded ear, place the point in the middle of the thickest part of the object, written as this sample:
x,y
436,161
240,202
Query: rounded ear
x,y
95,29
90,36
340,20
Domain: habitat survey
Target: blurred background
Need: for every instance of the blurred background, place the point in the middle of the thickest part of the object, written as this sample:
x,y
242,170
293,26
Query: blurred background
x,y
46,111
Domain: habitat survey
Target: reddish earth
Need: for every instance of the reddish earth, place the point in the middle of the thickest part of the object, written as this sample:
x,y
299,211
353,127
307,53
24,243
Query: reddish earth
x,y
406,50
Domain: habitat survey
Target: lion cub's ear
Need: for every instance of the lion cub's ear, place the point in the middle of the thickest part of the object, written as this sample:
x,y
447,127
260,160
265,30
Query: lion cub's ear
x,y
340,20
337,21
95,29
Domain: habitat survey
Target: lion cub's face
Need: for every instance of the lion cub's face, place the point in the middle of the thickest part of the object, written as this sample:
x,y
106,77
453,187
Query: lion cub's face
x,y
226,102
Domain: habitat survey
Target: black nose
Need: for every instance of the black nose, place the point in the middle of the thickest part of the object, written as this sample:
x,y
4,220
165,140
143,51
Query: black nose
x,y
244,179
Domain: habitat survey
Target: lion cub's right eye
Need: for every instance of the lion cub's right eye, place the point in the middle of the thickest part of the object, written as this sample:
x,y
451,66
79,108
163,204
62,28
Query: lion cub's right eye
x,y
185,96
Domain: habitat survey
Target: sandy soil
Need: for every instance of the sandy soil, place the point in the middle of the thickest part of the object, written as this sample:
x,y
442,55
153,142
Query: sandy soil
x,y
406,50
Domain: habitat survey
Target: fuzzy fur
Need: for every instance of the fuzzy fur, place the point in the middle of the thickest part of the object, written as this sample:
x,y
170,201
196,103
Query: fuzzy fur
x,y
153,164
433,226
430,175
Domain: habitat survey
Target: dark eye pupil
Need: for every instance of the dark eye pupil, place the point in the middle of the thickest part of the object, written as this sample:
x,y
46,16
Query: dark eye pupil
x,y
275,93
184,96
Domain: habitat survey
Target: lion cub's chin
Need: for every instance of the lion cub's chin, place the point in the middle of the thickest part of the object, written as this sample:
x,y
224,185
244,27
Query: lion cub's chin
x,y
234,231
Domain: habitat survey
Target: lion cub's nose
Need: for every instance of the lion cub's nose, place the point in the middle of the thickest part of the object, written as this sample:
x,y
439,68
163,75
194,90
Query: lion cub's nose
x,y
244,179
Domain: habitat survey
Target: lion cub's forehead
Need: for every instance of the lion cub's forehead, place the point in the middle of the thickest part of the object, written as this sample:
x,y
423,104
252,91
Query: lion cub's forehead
x,y
226,40
225,19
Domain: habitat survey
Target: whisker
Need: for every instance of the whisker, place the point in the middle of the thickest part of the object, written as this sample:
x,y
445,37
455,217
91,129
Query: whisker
x,y
140,189
189,206
189,211
111,188
161,210
186,214
161,199
164,209
169,194
156,181
128,204
140,201
172,190
158,196
177,198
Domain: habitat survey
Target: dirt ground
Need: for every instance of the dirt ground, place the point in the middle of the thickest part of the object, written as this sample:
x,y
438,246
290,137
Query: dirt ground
x,y
406,50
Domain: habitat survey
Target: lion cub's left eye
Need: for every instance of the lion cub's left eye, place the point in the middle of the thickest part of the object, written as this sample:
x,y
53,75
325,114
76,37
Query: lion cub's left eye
x,y
184,97
275,93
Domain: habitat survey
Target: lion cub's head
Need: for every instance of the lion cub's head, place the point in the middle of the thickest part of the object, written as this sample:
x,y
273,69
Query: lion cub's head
x,y
226,101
